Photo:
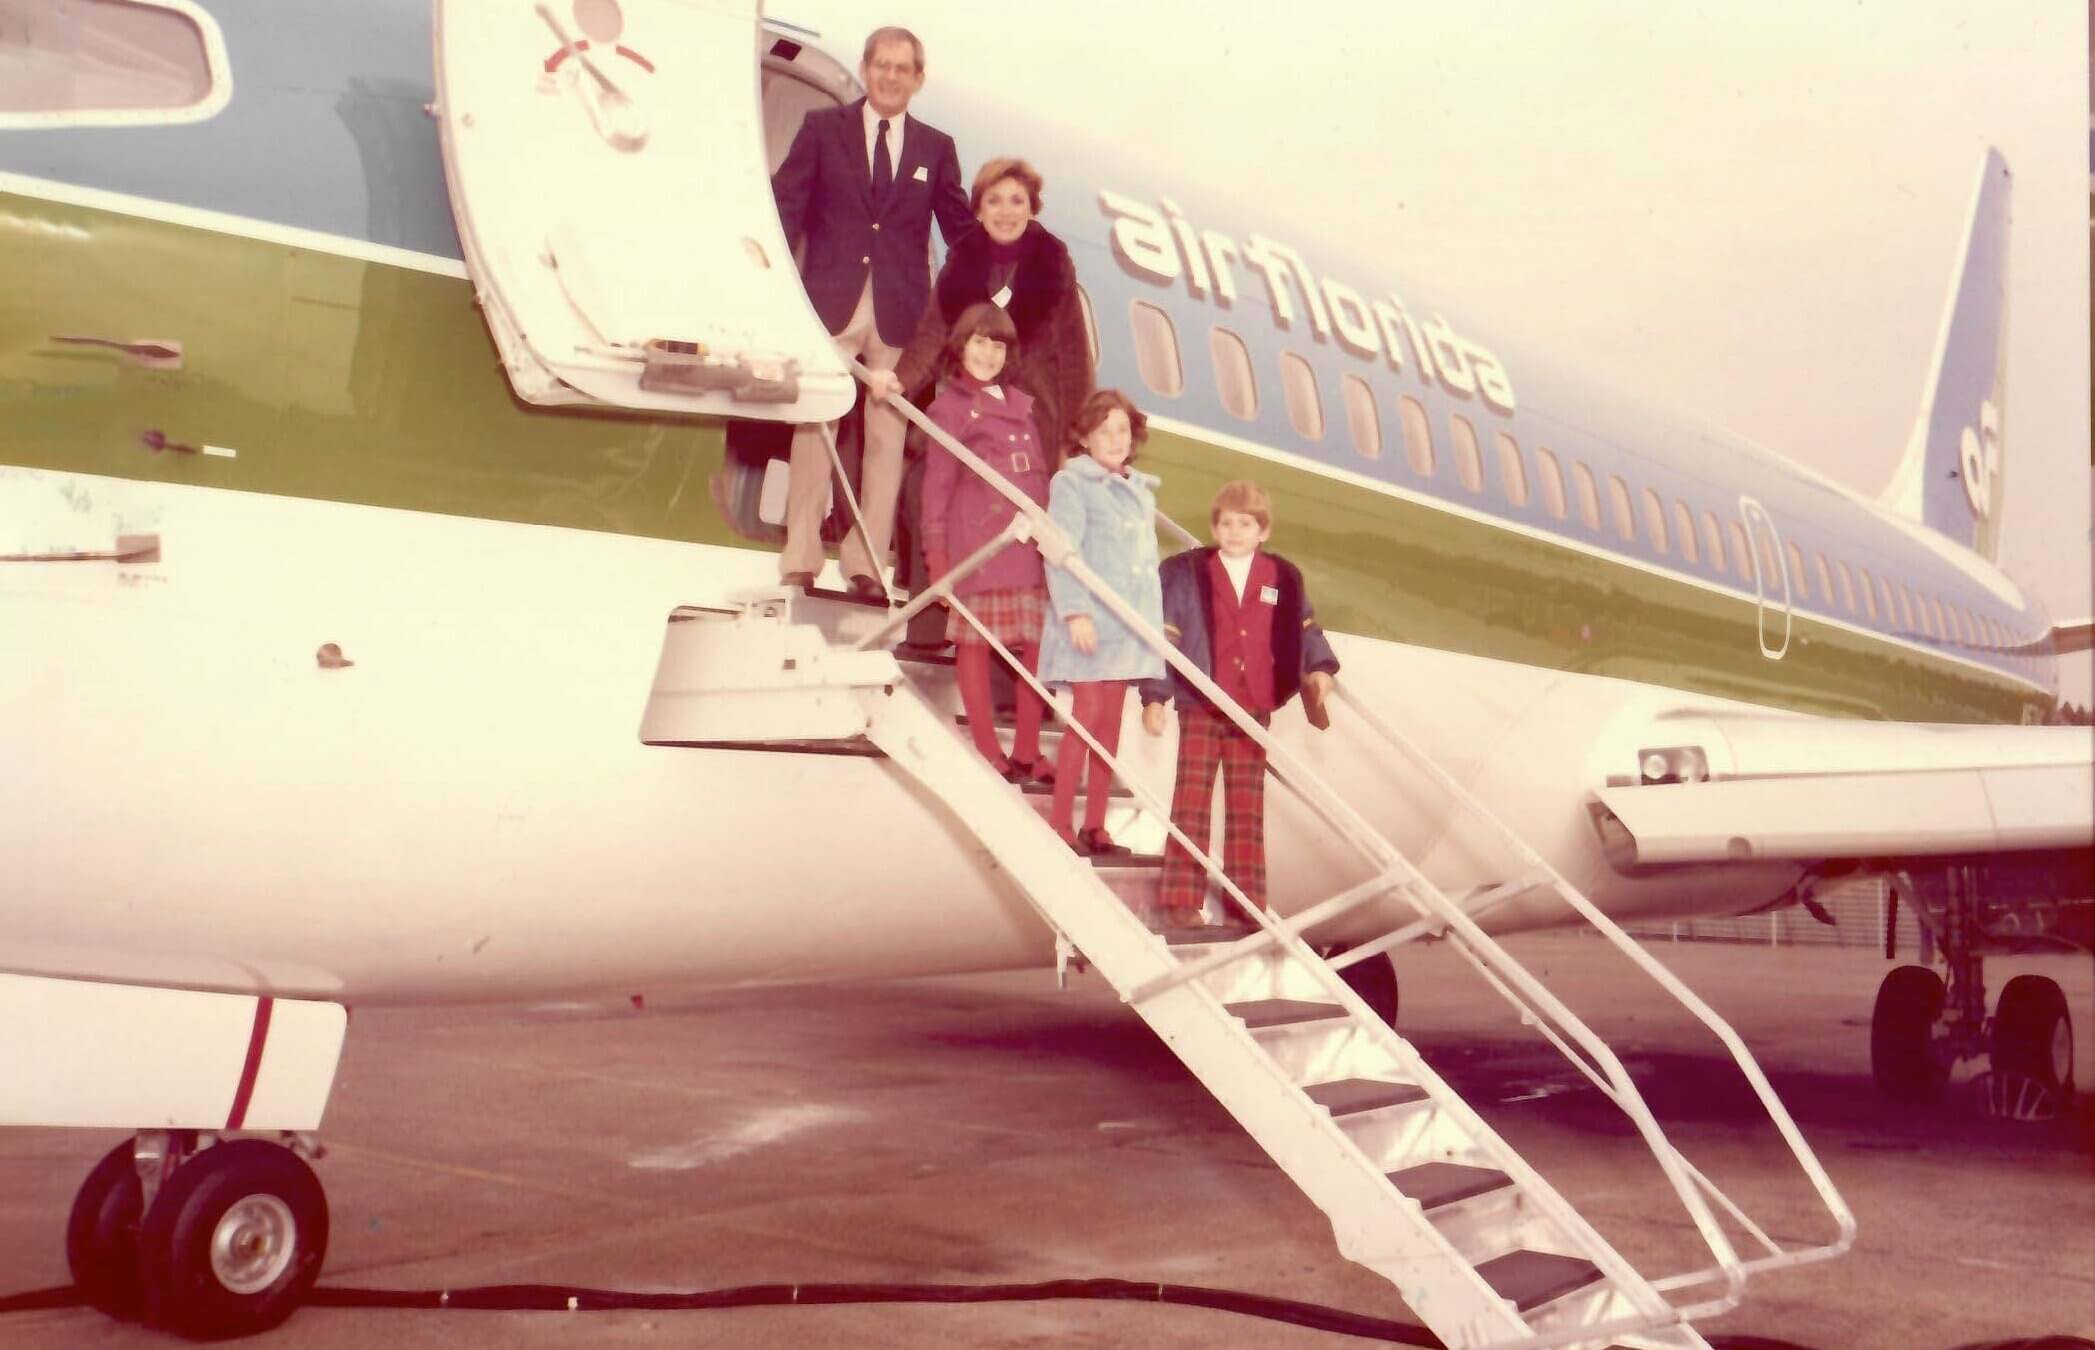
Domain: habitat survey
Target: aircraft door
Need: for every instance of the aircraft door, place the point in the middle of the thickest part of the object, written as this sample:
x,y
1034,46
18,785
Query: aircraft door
x,y
606,162
1770,581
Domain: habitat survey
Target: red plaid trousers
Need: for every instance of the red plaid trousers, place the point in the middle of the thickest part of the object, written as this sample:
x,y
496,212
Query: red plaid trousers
x,y
1207,741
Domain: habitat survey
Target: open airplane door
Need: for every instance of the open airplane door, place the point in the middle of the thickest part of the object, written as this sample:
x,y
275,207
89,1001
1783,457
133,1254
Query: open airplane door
x,y
606,165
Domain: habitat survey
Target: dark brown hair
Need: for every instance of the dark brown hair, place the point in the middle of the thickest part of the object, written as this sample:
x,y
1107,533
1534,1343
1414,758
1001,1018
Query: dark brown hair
x,y
996,171
981,319
1097,409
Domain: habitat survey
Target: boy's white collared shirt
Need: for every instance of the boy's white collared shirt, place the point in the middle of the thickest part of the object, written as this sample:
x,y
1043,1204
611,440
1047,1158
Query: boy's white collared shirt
x,y
1239,570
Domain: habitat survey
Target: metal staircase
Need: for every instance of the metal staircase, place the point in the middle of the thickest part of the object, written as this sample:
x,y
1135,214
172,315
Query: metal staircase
x,y
1416,1185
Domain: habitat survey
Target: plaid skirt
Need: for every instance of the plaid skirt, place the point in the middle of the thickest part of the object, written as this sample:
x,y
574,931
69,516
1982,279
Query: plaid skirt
x,y
1015,614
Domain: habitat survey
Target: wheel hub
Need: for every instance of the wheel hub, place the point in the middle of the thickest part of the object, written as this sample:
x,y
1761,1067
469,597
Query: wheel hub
x,y
253,1244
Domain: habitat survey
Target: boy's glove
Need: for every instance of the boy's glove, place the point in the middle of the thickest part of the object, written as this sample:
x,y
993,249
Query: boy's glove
x,y
1316,687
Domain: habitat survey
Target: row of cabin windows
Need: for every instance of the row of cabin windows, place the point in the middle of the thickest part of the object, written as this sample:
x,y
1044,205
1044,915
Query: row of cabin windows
x,y
1157,360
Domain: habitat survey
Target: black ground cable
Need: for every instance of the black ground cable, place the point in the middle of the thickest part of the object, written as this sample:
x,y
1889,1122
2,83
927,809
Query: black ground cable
x,y
573,1298
561,1298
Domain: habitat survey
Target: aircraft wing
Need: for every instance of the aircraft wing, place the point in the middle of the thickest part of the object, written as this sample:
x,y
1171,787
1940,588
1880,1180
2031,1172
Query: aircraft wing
x,y
1819,788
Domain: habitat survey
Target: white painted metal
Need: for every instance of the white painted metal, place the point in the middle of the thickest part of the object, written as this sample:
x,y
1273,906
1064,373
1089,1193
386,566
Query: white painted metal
x,y
80,1053
1860,815
572,172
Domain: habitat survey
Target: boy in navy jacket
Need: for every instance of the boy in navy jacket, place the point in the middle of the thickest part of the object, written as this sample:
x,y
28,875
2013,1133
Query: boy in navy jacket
x,y
1241,617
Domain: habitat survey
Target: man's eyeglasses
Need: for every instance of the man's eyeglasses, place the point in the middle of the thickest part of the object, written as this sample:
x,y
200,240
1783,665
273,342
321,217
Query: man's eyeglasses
x,y
893,67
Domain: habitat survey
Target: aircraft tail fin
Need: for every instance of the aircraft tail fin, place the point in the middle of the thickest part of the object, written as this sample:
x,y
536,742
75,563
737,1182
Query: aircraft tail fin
x,y
1951,478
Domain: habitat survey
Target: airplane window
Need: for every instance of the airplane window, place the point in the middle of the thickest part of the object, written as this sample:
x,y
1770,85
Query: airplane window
x,y
1618,503
1468,459
1741,551
1770,565
1958,630
1931,618
1796,572
1090,325
1552,481
1589,494
1513,473
1891,603
1684,530
109,62
1156,350
1363,419
1869,593
1906,608
1418,436
1299,384
1818,558
1713,535
1233,378
1655,520
1847,586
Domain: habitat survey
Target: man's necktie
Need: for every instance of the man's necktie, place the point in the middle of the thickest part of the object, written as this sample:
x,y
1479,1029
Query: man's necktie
x,y
883,167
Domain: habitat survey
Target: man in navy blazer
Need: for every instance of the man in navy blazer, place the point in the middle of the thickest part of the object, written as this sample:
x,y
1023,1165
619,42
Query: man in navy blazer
x,y
860,187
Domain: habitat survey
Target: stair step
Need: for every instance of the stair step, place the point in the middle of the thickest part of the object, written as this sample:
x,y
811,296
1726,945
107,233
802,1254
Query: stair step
x,y
1204,936
919,656
1350,1096
846,598
1033,789
1133,862
1435,1184
1528,1280
1280,1012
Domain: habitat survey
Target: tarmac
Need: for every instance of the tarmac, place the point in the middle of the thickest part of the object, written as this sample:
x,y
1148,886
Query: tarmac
x,y
994,1130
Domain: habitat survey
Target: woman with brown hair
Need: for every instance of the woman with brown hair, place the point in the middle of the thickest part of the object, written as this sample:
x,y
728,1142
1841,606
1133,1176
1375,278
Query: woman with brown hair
x,y
1010,261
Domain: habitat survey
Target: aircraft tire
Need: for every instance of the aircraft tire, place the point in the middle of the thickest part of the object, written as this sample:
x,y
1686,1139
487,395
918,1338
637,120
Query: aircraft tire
x,y
233,1241
1375,980
101,1236
2033,1034
1901,1033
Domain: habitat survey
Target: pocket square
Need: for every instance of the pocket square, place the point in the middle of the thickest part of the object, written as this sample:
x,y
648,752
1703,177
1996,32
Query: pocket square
x,y
922,175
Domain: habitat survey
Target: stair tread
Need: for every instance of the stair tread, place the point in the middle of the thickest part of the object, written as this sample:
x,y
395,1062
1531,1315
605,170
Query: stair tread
x,y
1278,1012
1349,1096
1528,1279
1037,789
919,656
1435,1184
1207,934
1132,861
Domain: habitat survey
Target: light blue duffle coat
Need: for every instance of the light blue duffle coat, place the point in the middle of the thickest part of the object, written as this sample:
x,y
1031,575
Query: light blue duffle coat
x,y
1111,519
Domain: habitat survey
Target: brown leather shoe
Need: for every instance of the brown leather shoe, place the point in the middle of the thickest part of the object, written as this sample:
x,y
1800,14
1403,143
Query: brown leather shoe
x,y
804,580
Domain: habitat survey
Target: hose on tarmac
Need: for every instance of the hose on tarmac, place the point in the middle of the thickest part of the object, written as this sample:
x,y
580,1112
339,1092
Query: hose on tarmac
x,y
574,1298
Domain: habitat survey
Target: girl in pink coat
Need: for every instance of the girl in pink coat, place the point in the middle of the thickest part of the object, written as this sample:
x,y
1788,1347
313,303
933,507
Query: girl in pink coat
x,y
962,512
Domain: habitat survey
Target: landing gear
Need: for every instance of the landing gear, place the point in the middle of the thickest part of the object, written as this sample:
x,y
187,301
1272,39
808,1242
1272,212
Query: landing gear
x,y
2033,1035
101,1235
1375,980
228,1246
1903,1054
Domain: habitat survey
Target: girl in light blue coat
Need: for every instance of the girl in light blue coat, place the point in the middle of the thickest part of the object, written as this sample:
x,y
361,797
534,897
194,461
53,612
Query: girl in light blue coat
x,y
1109,512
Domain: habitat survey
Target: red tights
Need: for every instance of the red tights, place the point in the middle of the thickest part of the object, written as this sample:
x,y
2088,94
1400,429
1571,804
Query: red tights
x,y
1099,705
972,666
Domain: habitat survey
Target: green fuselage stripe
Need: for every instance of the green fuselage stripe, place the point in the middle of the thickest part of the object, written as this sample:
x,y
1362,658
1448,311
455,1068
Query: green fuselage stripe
x,y
354,381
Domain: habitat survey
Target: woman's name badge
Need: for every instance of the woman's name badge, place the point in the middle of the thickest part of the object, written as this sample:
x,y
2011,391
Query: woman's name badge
x,y
1269,594
1002,299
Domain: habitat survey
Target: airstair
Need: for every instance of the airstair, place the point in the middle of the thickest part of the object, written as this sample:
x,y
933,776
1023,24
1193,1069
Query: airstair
x,y
1417,1186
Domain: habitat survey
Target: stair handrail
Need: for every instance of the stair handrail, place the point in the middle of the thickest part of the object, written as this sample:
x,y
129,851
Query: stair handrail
x,y
1806,1157
1055,547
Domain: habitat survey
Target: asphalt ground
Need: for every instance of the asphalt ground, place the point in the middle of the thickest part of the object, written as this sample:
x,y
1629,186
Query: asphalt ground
x,y
993,1130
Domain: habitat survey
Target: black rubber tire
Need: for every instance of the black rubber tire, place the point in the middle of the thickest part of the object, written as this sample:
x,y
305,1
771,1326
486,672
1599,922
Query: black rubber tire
x,y
1909,1003
101,1236
1375,980
2033,1032
183,1294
